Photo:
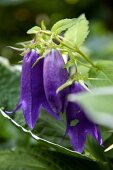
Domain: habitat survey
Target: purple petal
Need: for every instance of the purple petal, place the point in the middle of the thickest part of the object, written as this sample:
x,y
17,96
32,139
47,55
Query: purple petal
x,y
15,110
95,133
77,88
47,107
77,137
32,95
54,76
84,126
31,87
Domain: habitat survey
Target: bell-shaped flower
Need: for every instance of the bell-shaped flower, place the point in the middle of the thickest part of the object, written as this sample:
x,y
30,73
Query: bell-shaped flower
x,y
35,89
54,76
83,126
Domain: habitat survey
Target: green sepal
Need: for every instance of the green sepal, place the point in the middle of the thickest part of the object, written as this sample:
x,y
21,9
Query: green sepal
x,y
33,30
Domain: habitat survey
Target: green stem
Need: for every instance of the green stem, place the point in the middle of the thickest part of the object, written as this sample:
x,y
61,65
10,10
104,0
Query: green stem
x,y
60,38
75,50
61,42
85,57
45,32
83,64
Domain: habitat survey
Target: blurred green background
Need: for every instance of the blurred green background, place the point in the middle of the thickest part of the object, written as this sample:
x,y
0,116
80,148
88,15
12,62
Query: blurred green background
x,y
17,16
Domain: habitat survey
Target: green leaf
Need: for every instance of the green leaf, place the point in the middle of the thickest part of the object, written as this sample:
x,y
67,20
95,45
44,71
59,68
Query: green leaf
x,y
29,159
98,105
9,84
44,154
41,140
19,160
102,75
34,30
76,35
94,149
62,25
47,125
41,158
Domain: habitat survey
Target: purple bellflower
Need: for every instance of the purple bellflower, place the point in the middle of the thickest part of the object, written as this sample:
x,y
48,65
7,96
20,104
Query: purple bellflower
x,y
54,76
83,126
38,88
39,85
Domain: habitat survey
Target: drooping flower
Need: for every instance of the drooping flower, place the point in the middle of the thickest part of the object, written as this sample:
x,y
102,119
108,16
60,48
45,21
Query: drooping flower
x,y
83,126
54,76
38,88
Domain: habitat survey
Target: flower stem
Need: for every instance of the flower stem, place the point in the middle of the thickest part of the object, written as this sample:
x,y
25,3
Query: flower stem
x,y
45,32
85,57
60,39
75,50
61,42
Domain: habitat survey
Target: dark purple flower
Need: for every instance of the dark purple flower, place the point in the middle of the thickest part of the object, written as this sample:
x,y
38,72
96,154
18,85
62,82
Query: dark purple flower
x,y
35,90
84,126
38,89
54,76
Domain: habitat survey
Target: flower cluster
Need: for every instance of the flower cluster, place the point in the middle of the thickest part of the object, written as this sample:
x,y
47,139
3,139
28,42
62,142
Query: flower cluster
x,y
39,84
